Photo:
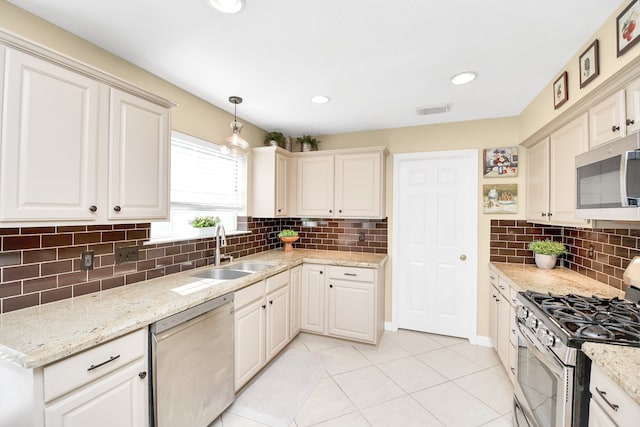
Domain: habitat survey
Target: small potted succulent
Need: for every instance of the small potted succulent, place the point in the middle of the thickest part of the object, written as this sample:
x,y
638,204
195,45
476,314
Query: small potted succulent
x,y
288,237
203,224
308,142
547,252
274,138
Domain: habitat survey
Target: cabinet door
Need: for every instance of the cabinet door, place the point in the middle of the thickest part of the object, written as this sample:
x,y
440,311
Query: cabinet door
x,y
282,193
50,139
278,321
295,288
538,182
565,144
351,309
250,341
358,185
632,97
597,416
504,340
607,120
312,298
315,186
493,315
138,158
118,399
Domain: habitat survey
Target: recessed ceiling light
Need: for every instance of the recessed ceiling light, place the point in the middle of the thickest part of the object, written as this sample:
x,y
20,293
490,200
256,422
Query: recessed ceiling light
x,y
320,99
227,6
463,78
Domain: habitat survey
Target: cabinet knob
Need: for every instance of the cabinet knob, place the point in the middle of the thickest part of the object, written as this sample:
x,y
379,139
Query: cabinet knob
x,y
264,305
142,375
271,302
279,210
330,211
615,128
117,208
340,211
630,122
544,214
320,271
549,214
463,257
93,208
331,286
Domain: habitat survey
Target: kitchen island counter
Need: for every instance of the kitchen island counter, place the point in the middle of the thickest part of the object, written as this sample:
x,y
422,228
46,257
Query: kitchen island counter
x,y
621,363
35,336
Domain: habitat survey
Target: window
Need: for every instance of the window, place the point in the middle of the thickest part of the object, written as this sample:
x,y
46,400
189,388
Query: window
x,y
204,181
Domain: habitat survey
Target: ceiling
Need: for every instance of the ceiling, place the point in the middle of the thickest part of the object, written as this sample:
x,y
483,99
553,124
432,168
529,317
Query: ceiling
x,y
377,60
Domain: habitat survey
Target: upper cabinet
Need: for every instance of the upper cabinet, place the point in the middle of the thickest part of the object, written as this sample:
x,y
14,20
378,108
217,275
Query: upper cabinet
x,y
272,167
74,149
607,120
551,181
342,184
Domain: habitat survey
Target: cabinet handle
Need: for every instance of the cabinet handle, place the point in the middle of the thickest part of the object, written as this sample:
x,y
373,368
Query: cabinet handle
x,y
93,208
630,122
513,370
142,375
117,208
501,287
615,128
351,274
603,395
492,278
111,359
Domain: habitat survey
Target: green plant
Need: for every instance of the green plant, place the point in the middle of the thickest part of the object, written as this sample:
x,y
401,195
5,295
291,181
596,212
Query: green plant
x,y
204,221
547,247
308,139
278,137
288,233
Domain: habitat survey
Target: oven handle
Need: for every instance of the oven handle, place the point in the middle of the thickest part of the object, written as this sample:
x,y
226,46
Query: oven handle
x,y
556,367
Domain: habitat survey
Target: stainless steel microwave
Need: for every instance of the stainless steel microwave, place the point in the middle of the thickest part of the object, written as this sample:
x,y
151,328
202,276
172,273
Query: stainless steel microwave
x,y
608,181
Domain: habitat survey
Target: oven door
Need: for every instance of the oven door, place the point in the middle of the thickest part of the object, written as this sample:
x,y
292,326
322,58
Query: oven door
x,y
544,385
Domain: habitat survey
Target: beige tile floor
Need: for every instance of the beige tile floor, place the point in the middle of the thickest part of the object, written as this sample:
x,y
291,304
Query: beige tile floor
x,y
410,379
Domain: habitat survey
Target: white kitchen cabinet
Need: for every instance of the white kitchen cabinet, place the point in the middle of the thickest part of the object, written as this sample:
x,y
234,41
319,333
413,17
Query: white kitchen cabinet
x,y
607,120
74,150
610,405
138,159
105,385
272,182
262,325
344,302
632,97
341,183
295,289
551,181
502,321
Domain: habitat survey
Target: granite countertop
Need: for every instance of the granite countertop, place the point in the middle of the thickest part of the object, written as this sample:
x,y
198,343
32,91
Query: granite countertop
x,y
35,336
621,363
557,281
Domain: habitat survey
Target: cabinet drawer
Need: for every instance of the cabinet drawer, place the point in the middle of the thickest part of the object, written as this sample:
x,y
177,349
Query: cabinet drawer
x,y
249,294
277,281
352,273
606,393
82,368
513,295
493,277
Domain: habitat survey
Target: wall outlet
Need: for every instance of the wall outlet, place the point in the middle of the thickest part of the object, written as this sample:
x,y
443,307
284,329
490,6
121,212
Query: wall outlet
x,y
361,236
126,254
86,260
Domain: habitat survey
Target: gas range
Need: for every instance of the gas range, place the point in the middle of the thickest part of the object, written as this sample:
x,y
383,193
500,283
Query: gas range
x,y
563,322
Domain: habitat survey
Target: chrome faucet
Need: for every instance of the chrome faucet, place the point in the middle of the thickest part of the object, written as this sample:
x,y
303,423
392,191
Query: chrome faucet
x,y
221,242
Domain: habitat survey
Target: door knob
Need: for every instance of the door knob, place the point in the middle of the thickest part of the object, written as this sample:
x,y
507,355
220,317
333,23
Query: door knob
x,y
463,257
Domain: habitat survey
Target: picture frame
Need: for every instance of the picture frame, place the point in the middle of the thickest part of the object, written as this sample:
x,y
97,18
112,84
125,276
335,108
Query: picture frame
x,y
500,198
589,64
560,90
627,31
500,162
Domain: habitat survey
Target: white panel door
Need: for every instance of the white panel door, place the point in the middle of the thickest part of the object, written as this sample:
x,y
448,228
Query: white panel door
x,y
435,248
50,141
138,158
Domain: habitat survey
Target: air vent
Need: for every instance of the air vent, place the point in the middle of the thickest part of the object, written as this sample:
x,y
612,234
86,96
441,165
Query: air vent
x,y
435,109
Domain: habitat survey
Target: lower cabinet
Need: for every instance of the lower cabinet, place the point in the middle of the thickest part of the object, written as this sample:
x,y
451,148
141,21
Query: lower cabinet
x,y
262,325
344,302
502,321
295,289
610,405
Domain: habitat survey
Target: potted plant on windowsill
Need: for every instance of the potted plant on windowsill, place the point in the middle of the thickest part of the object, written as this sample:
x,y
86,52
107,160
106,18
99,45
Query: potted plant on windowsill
x,y
308,143
288,237
203,224
274,138
547,252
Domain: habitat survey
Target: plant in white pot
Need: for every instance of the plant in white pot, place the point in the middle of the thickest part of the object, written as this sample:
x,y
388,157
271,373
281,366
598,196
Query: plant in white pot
x,y
547,252
204,224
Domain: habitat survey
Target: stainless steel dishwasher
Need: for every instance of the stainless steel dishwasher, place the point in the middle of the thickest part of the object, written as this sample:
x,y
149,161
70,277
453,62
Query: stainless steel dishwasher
x,y
192,364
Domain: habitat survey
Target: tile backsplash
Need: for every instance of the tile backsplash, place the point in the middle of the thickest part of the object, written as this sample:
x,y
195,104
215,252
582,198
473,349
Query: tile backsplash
x,y
42,264
599,253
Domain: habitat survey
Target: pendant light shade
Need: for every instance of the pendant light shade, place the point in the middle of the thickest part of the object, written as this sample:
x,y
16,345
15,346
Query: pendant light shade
x,y
235,143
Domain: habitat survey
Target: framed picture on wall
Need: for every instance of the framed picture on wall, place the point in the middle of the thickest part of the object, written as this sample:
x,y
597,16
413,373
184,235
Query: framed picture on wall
x,y
500,198
627,29
500,162
589,64
560,91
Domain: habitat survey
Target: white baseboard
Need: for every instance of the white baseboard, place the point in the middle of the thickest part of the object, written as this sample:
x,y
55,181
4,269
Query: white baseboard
x,y
390,326
482,341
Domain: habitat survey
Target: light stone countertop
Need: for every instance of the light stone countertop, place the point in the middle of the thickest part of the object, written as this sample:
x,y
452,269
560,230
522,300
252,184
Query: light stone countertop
x,y
621,363
559,281
35,336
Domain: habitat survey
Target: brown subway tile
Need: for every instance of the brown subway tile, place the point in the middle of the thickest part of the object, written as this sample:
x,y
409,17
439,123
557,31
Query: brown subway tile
x,y
56,240
56,295
113,236
113,282
72,278
11,243
136,277
84,238
37,230
39,255
9,258
10,274
19,302
9,231
40,284
57,267
10,289
71,252
86,288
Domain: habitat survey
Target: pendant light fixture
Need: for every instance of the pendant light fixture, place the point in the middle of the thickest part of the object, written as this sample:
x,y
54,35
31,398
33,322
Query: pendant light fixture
x,y
235,143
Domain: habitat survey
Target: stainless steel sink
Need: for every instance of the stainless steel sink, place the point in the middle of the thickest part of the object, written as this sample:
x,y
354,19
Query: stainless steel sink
x,y
250,266
222,274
